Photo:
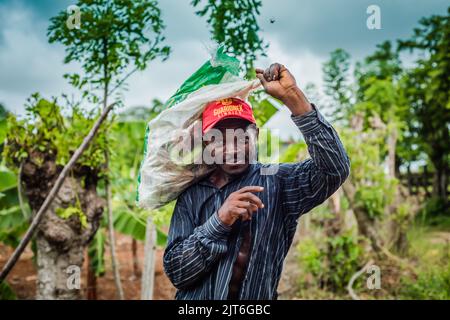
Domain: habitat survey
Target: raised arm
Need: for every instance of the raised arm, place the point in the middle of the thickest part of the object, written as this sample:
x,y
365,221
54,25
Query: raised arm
x,y
306,184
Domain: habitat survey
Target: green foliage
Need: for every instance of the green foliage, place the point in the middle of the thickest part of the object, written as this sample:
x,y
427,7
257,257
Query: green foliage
x,y
6,293
292,152
12,225
343,259
383,64
126,141
311,258
234,24
337,83
434,207
374,188
331,261
263,109
66,213
8,179
430,285
12,220
96,252
113,35
3,125
427,90
45,134
129,223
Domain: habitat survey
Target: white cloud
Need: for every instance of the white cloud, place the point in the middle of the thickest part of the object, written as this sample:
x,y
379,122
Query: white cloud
x,y
28,63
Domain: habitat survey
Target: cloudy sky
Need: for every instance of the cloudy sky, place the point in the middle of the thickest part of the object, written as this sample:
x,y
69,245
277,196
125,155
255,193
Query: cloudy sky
x,y
301,37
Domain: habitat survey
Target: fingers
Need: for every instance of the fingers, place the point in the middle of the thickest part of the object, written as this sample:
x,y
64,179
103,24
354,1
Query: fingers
x,y
242,204
250,189
267,74
261,78
247,205
245,193
273,73
252,198
242,213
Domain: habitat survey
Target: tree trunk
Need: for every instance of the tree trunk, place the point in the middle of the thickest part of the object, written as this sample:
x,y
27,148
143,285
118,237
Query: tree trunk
x,y
61,241
59,271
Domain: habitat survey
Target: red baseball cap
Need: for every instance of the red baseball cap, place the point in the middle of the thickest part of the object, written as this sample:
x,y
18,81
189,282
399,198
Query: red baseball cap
x,y
225,109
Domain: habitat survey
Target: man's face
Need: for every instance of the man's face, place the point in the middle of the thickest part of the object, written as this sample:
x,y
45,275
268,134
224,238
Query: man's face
x,y
236,144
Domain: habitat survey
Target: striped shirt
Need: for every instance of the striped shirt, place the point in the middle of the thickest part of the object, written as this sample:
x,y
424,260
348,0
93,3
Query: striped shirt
x,y
201,249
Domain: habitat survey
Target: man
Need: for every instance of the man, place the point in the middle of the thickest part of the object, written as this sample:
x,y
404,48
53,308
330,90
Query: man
x,y
231,231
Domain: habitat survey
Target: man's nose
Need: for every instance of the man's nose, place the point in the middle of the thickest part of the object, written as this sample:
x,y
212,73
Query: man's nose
x,y
233,147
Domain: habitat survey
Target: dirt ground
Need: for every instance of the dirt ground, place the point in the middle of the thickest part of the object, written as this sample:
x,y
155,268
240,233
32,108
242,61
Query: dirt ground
x,y
22,278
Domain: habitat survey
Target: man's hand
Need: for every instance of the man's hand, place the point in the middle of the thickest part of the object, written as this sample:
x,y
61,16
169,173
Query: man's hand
x,y
281,84
240,204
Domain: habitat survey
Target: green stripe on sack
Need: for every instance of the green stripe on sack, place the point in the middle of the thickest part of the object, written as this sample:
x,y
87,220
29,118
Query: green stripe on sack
x,y
214,71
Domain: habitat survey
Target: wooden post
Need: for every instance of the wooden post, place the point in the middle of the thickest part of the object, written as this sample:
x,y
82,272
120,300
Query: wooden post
x,y
148,272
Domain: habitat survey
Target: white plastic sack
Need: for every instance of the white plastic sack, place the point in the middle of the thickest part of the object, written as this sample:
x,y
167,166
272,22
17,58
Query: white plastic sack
x,y
163,178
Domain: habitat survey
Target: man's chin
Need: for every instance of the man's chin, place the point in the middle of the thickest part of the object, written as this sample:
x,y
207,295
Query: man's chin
x,y
234,169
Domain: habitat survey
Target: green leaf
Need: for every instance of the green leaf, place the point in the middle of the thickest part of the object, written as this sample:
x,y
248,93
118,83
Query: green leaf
x,y
127,222
12,225
96,252
6,292
8,180
161,238
66,213
3,128
263,110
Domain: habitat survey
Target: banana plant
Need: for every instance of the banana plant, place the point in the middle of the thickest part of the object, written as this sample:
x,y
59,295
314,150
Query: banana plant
x,y
13,220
